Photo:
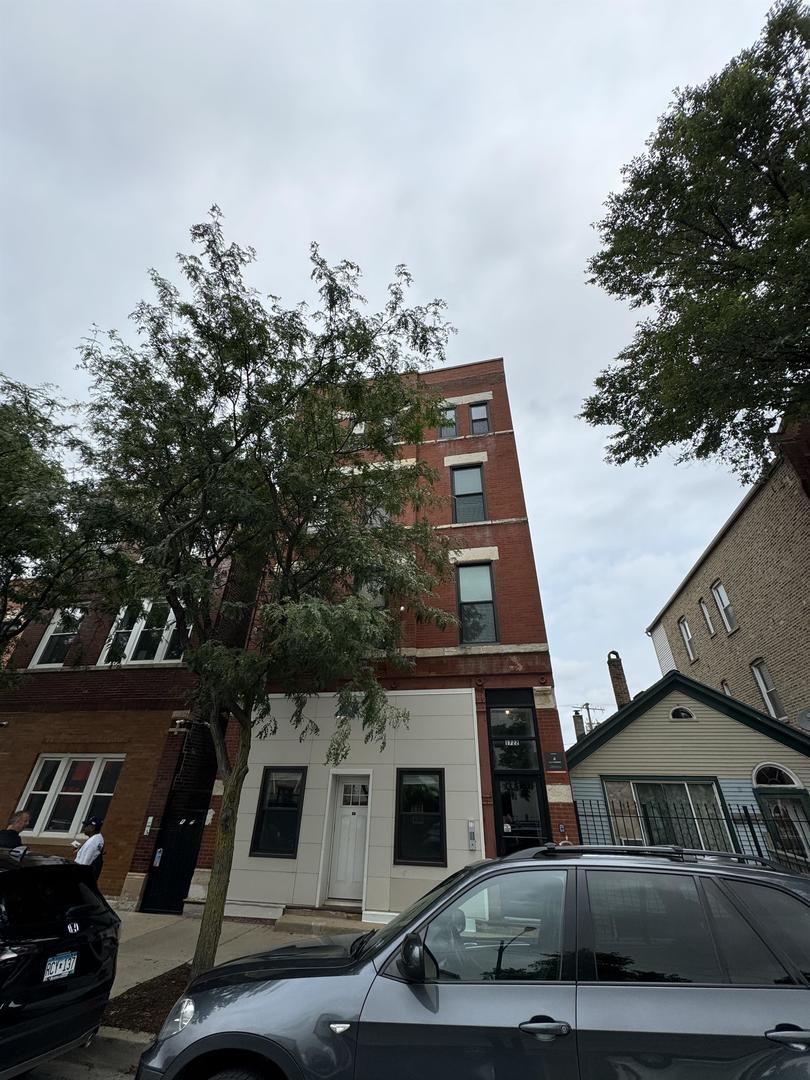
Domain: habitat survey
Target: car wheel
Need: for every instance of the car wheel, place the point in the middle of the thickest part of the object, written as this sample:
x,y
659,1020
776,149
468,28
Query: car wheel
x,y
236,1074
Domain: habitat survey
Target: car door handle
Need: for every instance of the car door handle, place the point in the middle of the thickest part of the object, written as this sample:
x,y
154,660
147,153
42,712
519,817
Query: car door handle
x,y
545,1030
793,1037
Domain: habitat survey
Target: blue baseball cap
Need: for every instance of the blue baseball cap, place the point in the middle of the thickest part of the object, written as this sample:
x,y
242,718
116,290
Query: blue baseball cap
x,y
96,821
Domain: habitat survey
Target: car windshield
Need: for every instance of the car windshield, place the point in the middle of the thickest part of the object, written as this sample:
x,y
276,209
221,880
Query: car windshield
x,y
388,932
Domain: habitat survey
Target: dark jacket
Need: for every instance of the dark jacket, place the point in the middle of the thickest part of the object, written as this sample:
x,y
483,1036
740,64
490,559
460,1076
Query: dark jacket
x,y
10,838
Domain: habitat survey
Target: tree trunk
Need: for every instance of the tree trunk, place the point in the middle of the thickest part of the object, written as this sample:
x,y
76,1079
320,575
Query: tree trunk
x,y
214,910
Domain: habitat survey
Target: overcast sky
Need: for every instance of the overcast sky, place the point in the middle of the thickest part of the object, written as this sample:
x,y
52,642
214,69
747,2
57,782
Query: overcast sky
x,y
474,140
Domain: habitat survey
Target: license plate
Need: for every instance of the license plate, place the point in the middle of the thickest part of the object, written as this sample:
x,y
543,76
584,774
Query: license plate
x,y
60,966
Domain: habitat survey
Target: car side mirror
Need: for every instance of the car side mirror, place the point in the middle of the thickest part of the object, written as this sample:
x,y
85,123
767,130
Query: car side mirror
x,y
411,962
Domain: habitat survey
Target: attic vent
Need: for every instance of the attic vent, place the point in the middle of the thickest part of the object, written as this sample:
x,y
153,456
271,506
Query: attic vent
x,y
680,712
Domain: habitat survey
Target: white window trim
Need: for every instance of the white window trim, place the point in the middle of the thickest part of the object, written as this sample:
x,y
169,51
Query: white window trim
x,y
704,607
763,689
773,765
686,636
43,642
99,761
721,607
682,719
135,634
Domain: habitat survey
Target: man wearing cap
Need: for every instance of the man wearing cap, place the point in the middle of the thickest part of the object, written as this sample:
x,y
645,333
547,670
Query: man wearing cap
x,y
91,853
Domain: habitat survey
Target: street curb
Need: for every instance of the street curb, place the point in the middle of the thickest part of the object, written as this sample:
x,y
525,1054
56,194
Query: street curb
x,y
138,1038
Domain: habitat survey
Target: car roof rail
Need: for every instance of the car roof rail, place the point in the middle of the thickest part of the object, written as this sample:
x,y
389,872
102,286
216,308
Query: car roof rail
x,y
663,851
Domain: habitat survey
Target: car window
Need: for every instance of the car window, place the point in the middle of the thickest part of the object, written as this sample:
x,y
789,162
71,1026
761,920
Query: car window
x,y
747,958
650,927
506,928
784,919
45,896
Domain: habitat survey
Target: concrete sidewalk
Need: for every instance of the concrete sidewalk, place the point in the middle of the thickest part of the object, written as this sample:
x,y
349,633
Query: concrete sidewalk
x,y
153,944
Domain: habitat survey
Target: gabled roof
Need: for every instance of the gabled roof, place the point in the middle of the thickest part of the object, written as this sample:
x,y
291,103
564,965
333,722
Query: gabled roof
x,y
715,699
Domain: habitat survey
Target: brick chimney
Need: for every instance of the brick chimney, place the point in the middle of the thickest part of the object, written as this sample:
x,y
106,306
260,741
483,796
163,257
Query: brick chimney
x,y
579,724
616,669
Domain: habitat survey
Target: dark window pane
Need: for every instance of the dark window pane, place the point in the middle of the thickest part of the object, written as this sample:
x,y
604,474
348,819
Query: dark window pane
x,y
477,623
420,792
650,928
509,928
784,919
147,645
420,818
77,775
511,722
63,813
748,959
174,650
521,821
515,754
34,805
279,812
98,807
57,649
57,646
468,508
109,777
47,772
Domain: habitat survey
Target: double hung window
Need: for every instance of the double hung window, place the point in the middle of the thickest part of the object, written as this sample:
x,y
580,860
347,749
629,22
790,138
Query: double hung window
x,y
65,790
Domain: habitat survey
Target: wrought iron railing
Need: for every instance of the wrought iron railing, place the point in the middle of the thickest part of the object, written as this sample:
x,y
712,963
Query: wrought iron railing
x,y
780,832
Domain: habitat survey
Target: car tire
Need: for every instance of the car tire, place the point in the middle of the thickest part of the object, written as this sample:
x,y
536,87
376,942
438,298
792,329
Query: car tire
x,y
236,1074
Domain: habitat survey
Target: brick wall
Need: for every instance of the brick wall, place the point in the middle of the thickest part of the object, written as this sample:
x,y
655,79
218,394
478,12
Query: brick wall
x,y
140,735
764,563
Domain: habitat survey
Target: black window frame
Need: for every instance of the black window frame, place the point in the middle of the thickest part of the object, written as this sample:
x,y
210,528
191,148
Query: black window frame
x,y
255,852
460,605
451,428
398,860
466,468
479,405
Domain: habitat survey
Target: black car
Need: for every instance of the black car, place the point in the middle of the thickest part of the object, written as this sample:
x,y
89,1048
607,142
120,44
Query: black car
x,y
558,963
58,947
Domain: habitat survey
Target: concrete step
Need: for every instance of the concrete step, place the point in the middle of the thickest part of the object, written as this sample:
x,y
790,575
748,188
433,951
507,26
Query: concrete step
x,y
320,922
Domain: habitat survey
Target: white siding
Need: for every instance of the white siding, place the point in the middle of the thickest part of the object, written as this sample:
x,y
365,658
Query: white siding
x,y
441,734
663,649
711,745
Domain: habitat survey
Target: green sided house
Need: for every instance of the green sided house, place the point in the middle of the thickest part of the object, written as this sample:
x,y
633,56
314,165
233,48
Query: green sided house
x,y
684,764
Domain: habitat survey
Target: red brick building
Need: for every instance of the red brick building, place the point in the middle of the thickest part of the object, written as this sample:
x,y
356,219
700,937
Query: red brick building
x,y
480,769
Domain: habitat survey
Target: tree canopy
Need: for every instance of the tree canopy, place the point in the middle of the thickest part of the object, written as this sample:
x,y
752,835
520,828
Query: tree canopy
x,y
48,543
250,455
711,230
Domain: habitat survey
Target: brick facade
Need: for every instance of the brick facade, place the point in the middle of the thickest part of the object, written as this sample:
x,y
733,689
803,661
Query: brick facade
x,y
86,708
763,560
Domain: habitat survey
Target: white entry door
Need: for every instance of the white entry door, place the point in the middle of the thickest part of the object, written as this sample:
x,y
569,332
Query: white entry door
x,y
349,840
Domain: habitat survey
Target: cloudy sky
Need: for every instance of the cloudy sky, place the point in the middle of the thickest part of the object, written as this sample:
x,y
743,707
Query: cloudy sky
x,y
474,140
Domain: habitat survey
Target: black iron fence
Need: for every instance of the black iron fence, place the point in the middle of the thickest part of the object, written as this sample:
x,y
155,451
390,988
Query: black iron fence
x,y
780,832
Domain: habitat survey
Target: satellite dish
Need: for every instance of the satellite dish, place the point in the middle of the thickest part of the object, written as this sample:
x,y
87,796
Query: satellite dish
x,y
803,719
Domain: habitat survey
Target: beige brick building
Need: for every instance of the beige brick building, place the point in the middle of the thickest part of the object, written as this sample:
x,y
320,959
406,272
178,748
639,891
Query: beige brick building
x,y
740,619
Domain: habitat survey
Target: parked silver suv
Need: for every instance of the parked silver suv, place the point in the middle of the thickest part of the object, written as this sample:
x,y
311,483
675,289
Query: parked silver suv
x,y
559,962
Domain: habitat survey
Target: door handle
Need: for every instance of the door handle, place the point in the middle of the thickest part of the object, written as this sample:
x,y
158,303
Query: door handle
x,y
792,1037
545,1030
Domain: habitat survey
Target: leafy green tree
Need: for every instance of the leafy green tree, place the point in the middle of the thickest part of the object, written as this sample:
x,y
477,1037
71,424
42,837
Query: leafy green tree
x,y
250,454
712,231
48,548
